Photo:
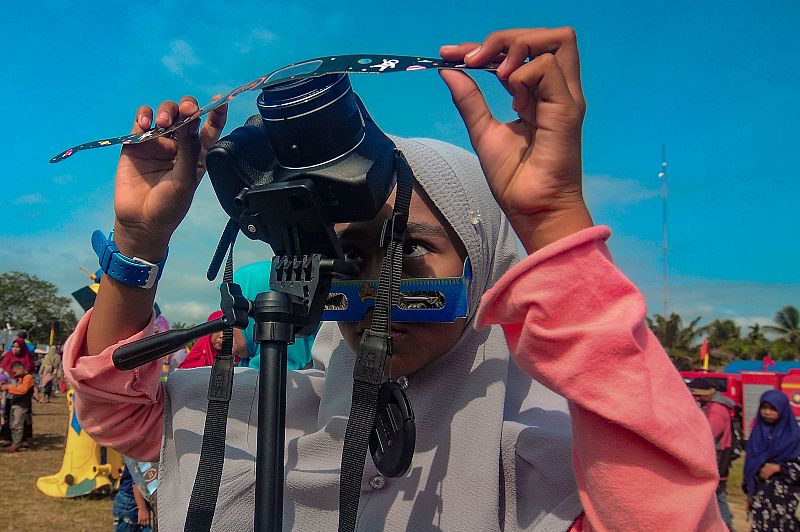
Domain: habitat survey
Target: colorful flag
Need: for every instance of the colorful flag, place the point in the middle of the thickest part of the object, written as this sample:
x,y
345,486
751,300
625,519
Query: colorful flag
x,y
704,353
704,349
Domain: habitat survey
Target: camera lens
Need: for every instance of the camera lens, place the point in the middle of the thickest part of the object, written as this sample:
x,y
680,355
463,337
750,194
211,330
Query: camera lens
x,y
313,121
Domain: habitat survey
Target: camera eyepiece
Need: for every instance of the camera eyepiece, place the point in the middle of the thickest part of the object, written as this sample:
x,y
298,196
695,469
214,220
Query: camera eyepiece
x,y
311,121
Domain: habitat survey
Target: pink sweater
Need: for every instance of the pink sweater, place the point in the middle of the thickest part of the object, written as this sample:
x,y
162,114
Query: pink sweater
x,y
643,452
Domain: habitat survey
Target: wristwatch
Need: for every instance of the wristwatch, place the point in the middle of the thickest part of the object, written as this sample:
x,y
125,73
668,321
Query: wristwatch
x,y
131,271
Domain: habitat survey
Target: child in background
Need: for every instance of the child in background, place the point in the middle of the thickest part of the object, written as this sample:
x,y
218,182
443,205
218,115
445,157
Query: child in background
x,y
131,510
19,402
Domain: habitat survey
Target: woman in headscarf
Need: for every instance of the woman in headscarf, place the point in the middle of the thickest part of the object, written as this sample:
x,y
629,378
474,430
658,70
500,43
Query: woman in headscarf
x,y
496,446
206,349
772,465
48,369
18,353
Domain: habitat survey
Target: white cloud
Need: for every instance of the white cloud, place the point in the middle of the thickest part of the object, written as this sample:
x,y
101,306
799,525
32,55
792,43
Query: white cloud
x,y
256,37
64,179
746,321
602,189
181,55
29,199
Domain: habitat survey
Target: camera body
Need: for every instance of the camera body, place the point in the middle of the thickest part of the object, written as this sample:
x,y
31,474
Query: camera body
x,y
312,157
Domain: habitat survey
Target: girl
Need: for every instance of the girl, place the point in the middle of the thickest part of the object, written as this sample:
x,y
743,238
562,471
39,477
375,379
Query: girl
x,y
772,465
498,447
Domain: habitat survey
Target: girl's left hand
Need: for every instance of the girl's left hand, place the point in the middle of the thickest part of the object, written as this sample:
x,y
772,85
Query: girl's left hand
x,y
533,164
767,470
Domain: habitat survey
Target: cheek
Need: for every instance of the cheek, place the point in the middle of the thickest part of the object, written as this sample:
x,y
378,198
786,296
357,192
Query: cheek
x,y
350,334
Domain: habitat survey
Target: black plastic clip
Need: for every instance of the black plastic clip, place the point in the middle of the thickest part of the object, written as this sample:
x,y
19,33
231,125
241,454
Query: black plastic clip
x,y
375,347
220,385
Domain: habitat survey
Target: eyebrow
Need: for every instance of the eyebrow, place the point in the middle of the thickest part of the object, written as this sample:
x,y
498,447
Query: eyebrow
x,y
412,229
418,229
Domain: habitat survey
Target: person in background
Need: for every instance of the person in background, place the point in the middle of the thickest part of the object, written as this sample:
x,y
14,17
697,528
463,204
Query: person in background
x,y
131,510
254,279
20,399
719,411
18,353
772,465
30,345
49,368
206,349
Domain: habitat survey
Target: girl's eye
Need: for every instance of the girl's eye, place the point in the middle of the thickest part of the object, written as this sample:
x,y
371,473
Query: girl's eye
x,y
352,255
413,249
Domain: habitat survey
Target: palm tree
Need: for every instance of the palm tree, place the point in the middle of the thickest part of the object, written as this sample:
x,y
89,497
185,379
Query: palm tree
x,y
756,333
788,324
720,332
676,339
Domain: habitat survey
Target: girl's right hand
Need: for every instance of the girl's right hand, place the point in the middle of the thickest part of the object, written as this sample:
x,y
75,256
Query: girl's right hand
x,y
156,180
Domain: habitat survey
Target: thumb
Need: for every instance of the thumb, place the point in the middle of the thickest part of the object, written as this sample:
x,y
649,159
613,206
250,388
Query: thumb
x,y
470,103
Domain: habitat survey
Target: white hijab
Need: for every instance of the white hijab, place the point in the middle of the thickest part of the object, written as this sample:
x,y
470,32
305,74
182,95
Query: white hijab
x,y
493,447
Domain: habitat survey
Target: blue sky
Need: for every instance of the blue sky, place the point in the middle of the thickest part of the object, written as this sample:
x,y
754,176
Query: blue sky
x,y
717,82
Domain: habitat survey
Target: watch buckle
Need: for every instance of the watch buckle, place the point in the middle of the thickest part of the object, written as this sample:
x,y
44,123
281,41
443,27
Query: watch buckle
x,y
152,275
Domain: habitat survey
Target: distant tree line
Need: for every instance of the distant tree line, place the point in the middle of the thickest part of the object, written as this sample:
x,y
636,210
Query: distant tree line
x,y
32,304
726,340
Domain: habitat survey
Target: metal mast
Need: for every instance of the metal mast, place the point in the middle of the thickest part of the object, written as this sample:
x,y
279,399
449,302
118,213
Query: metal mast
x,y
663,177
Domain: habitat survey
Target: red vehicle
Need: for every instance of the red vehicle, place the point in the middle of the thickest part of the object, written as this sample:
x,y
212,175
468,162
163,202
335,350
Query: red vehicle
x,y
746,388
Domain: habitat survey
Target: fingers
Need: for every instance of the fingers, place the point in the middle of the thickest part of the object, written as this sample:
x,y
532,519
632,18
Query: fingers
x,y
188,144
470,103
166,113
214,124
144,117
523,44
456,52
542,79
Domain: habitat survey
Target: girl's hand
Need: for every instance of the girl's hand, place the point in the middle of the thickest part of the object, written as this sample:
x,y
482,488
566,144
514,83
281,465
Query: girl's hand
x,y
143,517
156,180
767,470
533,164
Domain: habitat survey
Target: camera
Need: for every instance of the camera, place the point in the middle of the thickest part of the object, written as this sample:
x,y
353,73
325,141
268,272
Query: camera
x,y
312,157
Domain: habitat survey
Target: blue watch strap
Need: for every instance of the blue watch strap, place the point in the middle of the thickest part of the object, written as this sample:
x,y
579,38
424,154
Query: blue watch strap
x,y
131,271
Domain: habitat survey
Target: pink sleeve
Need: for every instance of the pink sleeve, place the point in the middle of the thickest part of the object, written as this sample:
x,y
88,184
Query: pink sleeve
x,y
643,453
120,409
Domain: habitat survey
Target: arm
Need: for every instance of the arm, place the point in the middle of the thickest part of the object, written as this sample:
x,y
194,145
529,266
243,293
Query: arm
x,y
638,437
120,409
718,418
22,387
576,324
141,506
154,186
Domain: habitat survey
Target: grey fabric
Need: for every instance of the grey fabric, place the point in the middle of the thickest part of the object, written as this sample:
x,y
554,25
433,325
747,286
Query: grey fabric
x,y
493,446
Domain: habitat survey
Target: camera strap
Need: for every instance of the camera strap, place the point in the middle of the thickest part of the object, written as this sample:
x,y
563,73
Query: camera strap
x,y
203,501
376,346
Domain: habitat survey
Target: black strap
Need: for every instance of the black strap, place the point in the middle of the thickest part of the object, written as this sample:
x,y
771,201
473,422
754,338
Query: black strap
x,y
376,347
212,454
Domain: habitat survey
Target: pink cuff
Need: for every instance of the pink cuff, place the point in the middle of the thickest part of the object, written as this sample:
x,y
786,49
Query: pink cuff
x,y
96,378
581,243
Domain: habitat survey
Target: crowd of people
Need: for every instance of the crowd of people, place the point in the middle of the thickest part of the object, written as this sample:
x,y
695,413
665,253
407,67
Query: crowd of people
x,y
771,471
24,378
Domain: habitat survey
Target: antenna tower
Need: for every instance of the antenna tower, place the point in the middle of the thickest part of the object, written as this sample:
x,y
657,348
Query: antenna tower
x,y
663,177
